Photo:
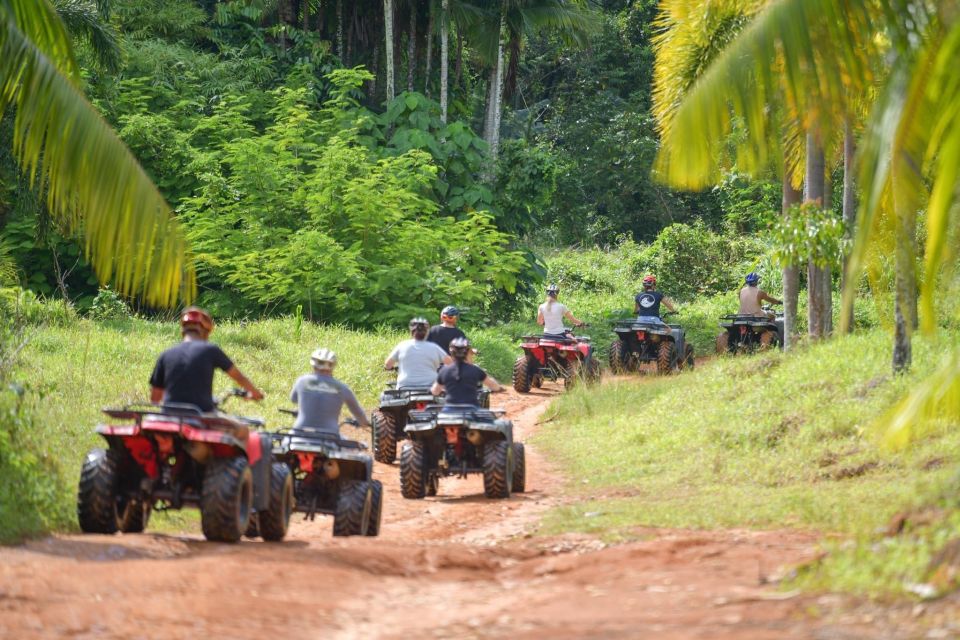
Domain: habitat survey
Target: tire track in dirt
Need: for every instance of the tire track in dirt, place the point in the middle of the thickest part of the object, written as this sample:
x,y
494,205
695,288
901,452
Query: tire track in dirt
x,y
452,565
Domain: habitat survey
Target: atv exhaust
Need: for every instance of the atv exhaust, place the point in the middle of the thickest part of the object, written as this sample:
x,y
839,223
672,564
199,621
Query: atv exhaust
x,y
331,469
475,437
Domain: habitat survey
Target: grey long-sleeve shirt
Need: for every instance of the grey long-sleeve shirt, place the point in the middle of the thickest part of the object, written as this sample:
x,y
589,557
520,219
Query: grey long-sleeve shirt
x,y
320,399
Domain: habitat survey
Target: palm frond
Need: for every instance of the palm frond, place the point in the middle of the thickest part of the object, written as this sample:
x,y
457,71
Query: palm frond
x,y
937,397
83,20
824,46
93,182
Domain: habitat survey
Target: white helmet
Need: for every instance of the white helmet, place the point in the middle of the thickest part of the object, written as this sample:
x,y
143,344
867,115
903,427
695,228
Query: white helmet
x,y
323,356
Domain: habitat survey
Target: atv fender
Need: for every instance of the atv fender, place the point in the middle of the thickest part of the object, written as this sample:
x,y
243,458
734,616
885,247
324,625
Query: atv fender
x,y
260,460
679,339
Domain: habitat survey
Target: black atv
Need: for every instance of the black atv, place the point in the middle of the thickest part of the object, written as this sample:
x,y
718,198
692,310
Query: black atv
x,y
459,440
746,333
333,476
390,418
640,341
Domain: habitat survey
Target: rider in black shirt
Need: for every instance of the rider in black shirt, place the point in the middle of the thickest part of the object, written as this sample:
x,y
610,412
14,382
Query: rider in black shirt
x,y
184,373
461,380
647,302
447,330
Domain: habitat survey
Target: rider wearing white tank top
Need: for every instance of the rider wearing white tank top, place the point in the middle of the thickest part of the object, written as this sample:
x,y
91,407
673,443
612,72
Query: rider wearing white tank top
x,y
551,313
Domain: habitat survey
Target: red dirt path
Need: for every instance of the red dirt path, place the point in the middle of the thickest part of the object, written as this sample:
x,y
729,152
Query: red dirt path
x,y
456,565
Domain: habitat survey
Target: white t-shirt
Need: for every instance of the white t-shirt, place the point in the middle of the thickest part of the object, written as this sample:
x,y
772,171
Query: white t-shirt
x,y
553,317
418,361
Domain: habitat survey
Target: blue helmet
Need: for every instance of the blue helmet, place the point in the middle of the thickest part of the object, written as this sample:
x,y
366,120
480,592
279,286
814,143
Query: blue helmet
x,y
752,278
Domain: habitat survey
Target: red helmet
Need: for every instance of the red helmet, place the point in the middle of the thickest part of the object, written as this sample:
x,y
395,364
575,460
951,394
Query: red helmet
x,y
195,316
649,281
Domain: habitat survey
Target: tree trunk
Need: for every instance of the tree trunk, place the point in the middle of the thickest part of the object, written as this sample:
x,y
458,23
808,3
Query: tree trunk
x,y
791,273
826,273
340,27
905,287
412,47
813,192
375,70
306,16
388,45
458,69
429,58
849,210
444,58
495,96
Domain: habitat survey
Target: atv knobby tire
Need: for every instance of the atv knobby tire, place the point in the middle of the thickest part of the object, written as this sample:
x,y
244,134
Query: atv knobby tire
x,y
689,360
354,506
519,468
413,484
723,343
384,436
768,339
521,375
97,508
226,499
497,459
666,357
135,516
376,508
617,357
274,522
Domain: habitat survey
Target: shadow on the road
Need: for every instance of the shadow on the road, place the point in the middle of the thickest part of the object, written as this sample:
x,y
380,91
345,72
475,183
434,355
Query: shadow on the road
x,y
152,546
479,498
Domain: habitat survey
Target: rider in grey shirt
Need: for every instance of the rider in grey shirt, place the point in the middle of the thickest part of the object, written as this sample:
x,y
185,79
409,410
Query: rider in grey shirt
x,y
320,396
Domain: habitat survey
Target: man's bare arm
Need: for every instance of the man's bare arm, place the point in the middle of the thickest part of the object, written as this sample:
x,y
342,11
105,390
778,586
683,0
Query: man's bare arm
x,y
240,379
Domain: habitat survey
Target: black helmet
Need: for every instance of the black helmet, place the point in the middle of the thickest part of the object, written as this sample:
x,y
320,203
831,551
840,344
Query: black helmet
x,y
450,311
553,290
459,348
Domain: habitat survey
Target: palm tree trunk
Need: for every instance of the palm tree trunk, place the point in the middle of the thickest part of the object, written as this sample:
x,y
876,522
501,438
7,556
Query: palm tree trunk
x,y
496,95
444,58
458,69
340,27
791,273
306,16
849,208
412,46
905,282
826,273
429,60
388,44
813,192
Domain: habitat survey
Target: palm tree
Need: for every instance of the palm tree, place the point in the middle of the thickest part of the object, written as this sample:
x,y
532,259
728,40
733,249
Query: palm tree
x,y
909,152
93,183
444,58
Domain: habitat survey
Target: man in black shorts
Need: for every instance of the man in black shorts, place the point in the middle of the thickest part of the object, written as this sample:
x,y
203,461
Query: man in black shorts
x,y
461,380
184,373
447,330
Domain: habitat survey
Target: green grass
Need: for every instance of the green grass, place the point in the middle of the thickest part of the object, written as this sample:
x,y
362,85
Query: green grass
x,y
769,441
68,373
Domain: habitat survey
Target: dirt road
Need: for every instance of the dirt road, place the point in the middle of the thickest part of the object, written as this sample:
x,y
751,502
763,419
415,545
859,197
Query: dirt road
x,y
457,565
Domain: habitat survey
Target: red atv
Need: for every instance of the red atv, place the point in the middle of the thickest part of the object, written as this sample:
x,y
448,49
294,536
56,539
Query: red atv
x,y
555,357
175,455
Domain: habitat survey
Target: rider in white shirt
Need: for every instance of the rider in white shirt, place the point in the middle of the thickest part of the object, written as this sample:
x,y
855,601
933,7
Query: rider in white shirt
x,y
551,313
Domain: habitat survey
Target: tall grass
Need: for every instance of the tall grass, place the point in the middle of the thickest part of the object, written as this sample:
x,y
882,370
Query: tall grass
x,y
767,441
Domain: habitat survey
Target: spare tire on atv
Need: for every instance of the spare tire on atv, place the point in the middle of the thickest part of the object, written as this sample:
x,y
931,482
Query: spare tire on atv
x,y
384,436
521,375
227,499
354,507
666,357
497,463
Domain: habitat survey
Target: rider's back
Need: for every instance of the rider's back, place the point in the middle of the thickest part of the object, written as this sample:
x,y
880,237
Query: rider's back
x,y
319,400
750,302
418,362
185,372
553,313
461,382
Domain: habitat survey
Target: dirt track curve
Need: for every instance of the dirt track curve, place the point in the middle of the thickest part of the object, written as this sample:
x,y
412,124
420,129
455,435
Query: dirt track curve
x,y
456,565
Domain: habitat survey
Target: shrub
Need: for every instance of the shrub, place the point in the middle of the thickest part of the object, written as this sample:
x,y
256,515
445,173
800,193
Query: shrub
x,y
108,305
